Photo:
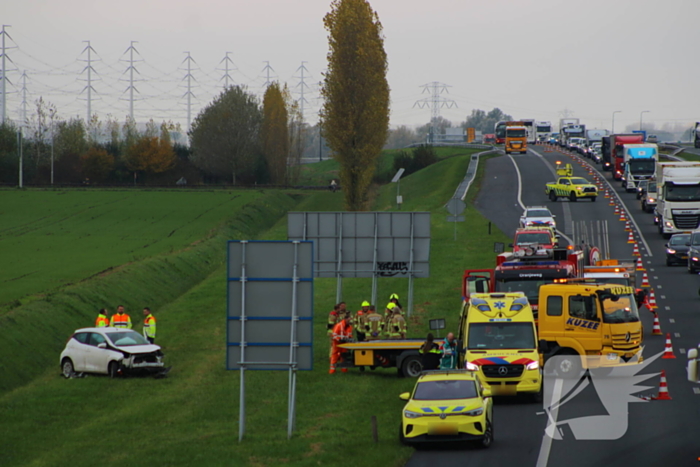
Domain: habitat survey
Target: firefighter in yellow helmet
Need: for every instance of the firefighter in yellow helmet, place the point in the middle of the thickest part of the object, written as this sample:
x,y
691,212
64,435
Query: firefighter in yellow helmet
x,y
360,319
394,298
397,324
374,325
388,315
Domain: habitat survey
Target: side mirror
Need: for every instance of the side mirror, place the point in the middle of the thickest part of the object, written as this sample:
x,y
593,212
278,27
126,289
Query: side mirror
x,y
102,345
405,396
486,392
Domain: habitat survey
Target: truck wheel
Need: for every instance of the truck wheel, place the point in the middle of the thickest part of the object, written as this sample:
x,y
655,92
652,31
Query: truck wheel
x,y
568,364
412,366
593,199
552,196
572,197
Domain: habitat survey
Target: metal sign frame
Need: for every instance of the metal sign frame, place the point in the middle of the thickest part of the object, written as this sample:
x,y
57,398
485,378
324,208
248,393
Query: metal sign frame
x,y
248,272
366,244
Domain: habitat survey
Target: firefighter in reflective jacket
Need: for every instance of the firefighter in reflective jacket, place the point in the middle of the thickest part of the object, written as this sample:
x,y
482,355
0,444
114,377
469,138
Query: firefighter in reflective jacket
x,y
342,332
394,298
359,321
397,325
388,315
374,325
102,321
121,319
149,326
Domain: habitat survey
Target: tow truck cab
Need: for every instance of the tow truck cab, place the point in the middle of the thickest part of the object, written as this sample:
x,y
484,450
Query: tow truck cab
x,y
597,322
500,343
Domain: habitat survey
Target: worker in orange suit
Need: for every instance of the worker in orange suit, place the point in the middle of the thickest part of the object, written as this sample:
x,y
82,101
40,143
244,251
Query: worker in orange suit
x,y
342,332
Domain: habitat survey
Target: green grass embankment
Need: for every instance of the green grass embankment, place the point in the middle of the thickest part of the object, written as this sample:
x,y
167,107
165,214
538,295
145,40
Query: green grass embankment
x,y
34,334
50,239
191,417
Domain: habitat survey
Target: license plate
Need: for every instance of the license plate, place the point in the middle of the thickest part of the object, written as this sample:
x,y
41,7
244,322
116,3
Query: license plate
x,y
612,356
442,429
684,257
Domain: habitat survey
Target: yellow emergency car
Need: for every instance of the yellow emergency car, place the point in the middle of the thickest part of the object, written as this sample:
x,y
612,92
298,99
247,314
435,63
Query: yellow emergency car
x,y
500,341
447,405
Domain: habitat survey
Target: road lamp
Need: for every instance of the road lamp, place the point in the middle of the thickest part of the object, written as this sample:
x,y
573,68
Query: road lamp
x,y
613,120
640,118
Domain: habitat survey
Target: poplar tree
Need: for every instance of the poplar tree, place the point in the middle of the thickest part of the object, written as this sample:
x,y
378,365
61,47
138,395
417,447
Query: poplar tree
x,y
275,133
355,113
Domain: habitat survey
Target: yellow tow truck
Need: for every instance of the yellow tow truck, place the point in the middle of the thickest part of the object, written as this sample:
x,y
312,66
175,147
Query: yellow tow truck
x,y
589,326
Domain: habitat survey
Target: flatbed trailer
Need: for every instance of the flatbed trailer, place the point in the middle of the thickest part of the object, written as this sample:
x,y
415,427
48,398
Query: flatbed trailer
x,y
402,354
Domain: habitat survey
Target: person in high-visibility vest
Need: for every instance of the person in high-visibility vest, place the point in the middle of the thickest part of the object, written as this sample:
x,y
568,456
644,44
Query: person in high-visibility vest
x,y
342,332
333,319
149,326
397,325
374,325
394,298
102,321
359,323
120,319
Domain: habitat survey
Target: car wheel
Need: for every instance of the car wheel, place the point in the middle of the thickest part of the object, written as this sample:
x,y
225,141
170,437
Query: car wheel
x,y
538,397
644,206
412,366
67,368
113,370
669,262
487,440
572,197
691,269
552,196
593,199
568,365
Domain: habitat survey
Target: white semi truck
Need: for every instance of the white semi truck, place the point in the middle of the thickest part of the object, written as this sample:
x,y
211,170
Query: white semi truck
x,y
678,197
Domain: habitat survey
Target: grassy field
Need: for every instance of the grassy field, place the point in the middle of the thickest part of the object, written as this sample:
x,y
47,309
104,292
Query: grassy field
x,y
191,417
49,239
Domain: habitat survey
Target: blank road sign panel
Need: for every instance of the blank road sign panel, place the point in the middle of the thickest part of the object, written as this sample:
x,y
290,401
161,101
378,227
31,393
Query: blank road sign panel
x,y
271,259
269,331
270,298
275,354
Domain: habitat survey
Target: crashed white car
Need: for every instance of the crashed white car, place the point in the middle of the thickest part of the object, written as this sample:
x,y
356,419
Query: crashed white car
x,y
535,216
111,351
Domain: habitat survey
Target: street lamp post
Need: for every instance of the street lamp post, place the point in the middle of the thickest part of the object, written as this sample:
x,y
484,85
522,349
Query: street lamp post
x,y
613,120
640,118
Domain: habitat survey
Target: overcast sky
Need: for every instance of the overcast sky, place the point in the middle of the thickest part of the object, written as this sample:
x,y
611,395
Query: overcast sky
x,y
531,58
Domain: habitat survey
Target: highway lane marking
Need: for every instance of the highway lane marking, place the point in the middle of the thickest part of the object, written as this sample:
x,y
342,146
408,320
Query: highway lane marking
x,y
671,320
619,199
696,390
655,277
659,287
677,334
663,297
651,269
668,308
568,224
567,219
682,351
546,445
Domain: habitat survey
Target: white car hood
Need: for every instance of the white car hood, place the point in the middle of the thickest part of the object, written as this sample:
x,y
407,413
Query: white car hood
x,y
138,348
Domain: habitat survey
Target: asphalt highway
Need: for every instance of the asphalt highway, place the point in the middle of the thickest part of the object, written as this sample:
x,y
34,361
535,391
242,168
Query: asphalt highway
x,y
653,433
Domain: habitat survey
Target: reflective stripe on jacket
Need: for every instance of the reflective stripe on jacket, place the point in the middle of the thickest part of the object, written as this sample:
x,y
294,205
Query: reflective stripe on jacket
x,y
121,320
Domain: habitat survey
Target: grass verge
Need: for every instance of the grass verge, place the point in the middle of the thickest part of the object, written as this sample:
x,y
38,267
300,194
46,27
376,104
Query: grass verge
x,y
191,417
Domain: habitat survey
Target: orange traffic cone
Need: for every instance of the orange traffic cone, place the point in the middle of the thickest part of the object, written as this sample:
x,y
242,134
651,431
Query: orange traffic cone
x,y
651,301
628,228
656,331
635,251
645,280
617,210
623,218
668,351
630,238
640,265
663,389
